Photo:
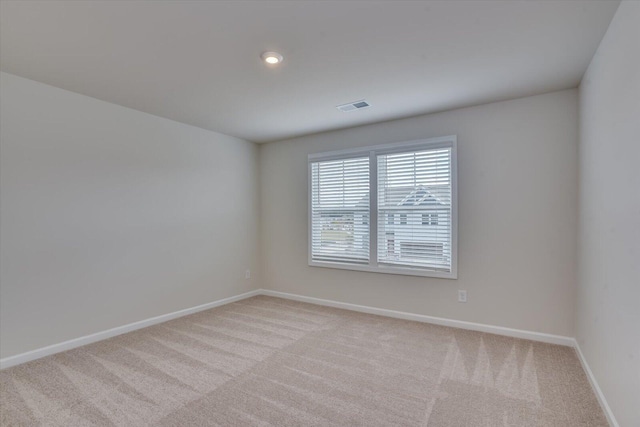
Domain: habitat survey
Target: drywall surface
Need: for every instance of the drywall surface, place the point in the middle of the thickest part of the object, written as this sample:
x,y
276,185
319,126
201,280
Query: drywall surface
x,y
110,216
608,302
517,183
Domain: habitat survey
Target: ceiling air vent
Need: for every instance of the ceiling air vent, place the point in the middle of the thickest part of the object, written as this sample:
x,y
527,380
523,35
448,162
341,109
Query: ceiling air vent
x,y
352,106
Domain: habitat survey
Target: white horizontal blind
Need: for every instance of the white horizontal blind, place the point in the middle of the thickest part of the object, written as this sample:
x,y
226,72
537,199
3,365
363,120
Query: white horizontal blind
x,y
340,210
414,209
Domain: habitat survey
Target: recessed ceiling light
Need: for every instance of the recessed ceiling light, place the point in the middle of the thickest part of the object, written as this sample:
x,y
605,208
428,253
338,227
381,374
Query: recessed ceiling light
x,y
271,58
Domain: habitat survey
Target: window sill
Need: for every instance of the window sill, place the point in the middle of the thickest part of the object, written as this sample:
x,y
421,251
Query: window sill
x,y
403,271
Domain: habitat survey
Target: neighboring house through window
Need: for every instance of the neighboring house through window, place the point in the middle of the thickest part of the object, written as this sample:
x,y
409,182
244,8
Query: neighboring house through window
x,y
429,219
415,182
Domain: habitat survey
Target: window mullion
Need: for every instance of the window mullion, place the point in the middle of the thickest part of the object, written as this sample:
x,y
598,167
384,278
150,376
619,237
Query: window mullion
x,y
373,209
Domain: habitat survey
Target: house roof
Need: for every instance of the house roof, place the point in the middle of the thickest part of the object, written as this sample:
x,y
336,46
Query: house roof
x,y
409,196
423,196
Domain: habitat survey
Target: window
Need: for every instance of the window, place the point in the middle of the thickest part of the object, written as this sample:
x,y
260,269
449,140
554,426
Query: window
x,y
340,210
391,244
357,196
429,219
391,218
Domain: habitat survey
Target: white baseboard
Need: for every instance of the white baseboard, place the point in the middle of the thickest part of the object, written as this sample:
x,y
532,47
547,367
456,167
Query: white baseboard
x,y
498,330
596,388
98,336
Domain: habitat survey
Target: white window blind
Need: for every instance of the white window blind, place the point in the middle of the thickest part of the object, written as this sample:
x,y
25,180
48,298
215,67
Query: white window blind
x,y
340,210
389,208
416,187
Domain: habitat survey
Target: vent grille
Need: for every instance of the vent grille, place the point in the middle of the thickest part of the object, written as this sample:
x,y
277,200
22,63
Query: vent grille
x,y
353,106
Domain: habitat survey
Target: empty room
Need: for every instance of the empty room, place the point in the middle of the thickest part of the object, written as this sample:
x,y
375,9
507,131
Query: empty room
x,y
320,213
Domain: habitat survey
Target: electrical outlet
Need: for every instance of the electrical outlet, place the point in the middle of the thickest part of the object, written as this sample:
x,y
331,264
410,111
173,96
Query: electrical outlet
x,y
462,296
247,274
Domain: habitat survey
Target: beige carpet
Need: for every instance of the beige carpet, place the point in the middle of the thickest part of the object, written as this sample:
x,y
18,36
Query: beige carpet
x,y
268,361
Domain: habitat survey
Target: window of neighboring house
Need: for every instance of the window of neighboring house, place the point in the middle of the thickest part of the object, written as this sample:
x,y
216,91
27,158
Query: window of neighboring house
x,y
391,218
354,198
391,244
429,219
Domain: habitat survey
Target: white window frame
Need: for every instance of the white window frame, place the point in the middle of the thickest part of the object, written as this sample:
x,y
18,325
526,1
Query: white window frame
x,y
373,151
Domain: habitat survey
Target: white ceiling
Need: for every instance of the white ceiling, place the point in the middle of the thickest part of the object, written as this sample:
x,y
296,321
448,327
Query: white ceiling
x,y
198,62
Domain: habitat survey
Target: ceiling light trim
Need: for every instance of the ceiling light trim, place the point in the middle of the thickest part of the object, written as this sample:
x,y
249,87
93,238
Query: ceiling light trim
x,y
272,58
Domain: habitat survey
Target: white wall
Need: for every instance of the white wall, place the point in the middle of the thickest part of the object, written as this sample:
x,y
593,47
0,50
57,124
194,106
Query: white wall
x,y
517,164
109,215
608,303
